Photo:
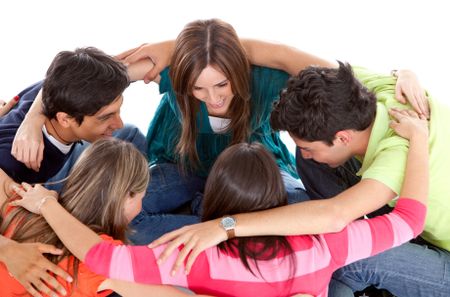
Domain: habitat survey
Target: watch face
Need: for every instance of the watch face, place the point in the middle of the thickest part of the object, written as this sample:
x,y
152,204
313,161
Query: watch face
x,y
228,223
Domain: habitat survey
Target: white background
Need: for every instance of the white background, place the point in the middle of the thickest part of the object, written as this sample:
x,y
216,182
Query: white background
x,y
381,35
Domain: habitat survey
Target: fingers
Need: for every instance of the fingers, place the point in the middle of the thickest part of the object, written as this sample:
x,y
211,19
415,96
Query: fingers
x,y
49,249
170,248
423,104
182,256
36,156
153,73
30,289
44,283
33,155
5,107
194,254
136,55
30,154
399,94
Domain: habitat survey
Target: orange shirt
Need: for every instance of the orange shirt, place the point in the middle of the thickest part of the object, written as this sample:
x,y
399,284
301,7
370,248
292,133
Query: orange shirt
x,y
87,284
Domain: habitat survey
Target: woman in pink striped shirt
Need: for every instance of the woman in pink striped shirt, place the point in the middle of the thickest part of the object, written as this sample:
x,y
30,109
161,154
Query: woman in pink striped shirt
x,y
245,178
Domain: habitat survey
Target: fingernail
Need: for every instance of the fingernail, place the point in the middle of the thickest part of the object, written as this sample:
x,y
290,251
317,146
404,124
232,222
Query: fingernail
x,y
69,279
16,98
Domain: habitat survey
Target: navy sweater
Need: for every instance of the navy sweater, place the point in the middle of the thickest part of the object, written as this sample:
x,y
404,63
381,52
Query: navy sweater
x,y
53,160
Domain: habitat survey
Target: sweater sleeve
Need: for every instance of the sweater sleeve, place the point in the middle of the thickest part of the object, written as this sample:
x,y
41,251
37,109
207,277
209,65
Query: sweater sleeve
x,y
133,263
365,238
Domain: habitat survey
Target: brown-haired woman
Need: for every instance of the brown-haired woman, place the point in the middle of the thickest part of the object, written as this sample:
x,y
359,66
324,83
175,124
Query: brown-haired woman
x,y
213,98
215,95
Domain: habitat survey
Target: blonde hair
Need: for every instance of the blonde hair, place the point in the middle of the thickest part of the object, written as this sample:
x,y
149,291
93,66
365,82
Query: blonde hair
x,y
95,192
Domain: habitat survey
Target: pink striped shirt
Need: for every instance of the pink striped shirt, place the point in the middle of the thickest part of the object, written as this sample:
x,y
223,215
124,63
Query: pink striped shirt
x,y
221,274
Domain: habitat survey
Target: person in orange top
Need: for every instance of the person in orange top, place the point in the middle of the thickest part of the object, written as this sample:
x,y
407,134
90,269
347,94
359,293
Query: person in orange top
x,y
104,191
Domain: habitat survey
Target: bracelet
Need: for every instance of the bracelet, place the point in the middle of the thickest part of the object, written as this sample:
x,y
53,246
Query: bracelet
x,y
43,200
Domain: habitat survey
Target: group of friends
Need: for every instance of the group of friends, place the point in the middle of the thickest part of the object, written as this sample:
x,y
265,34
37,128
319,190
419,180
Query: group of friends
x,y
211,199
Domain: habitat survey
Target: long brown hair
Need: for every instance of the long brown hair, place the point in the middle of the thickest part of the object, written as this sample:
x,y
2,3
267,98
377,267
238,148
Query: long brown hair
x,y
215,43
245,178
94,193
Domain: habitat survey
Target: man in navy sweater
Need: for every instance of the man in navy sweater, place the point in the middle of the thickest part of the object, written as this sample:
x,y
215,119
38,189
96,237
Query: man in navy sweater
x,y
80,100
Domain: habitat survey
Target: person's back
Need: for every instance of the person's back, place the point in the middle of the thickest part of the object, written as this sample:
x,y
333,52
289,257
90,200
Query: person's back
x,y
266,265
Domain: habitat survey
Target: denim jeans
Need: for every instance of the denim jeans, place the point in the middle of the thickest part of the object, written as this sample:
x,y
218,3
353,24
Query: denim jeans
x,y
173,200
128,133
408,270
412,270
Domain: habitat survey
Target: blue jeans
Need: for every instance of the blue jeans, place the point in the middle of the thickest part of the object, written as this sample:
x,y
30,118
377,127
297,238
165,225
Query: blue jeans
x,y
174,200
128,133
408,270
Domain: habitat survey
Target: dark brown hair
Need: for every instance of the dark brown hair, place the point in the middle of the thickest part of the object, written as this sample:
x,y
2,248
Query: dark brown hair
x,y
214,43
81,82
245,178
319,102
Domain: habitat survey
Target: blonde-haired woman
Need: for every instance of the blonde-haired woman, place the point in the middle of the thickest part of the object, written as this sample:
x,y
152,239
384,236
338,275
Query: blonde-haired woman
x,y
104,191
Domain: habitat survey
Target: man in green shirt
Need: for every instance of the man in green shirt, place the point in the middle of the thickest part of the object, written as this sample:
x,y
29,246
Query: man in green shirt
x,y
336,114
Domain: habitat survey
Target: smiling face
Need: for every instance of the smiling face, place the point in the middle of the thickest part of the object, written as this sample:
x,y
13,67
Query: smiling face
x,y
213,88
102,124
334,155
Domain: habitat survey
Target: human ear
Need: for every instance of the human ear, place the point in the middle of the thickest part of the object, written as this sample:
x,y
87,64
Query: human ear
x,y
344,137
64,119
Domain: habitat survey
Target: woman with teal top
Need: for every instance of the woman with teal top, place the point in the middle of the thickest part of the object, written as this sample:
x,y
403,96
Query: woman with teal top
x,y
212,98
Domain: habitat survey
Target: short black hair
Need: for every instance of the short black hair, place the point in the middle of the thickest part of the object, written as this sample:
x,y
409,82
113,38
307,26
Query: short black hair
x,y
81,82
319,102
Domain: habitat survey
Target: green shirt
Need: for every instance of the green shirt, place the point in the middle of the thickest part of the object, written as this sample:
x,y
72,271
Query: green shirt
x,y
386,155
165,128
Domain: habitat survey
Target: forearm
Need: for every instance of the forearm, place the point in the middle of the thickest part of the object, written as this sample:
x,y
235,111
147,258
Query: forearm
x,y
76,237
137,70
415,185
281,56
317,216
35,112
310,217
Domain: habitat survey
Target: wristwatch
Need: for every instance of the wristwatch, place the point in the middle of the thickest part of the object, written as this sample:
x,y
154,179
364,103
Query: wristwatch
x,y
229,224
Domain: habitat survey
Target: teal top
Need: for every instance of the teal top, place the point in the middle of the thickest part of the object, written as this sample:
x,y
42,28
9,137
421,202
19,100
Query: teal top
x,y
165,128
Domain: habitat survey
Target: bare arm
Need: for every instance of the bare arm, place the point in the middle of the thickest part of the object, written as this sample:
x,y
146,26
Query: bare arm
x,y
25,261
28,144
412,126
139,69
408,89
280,56
76,237
310,217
